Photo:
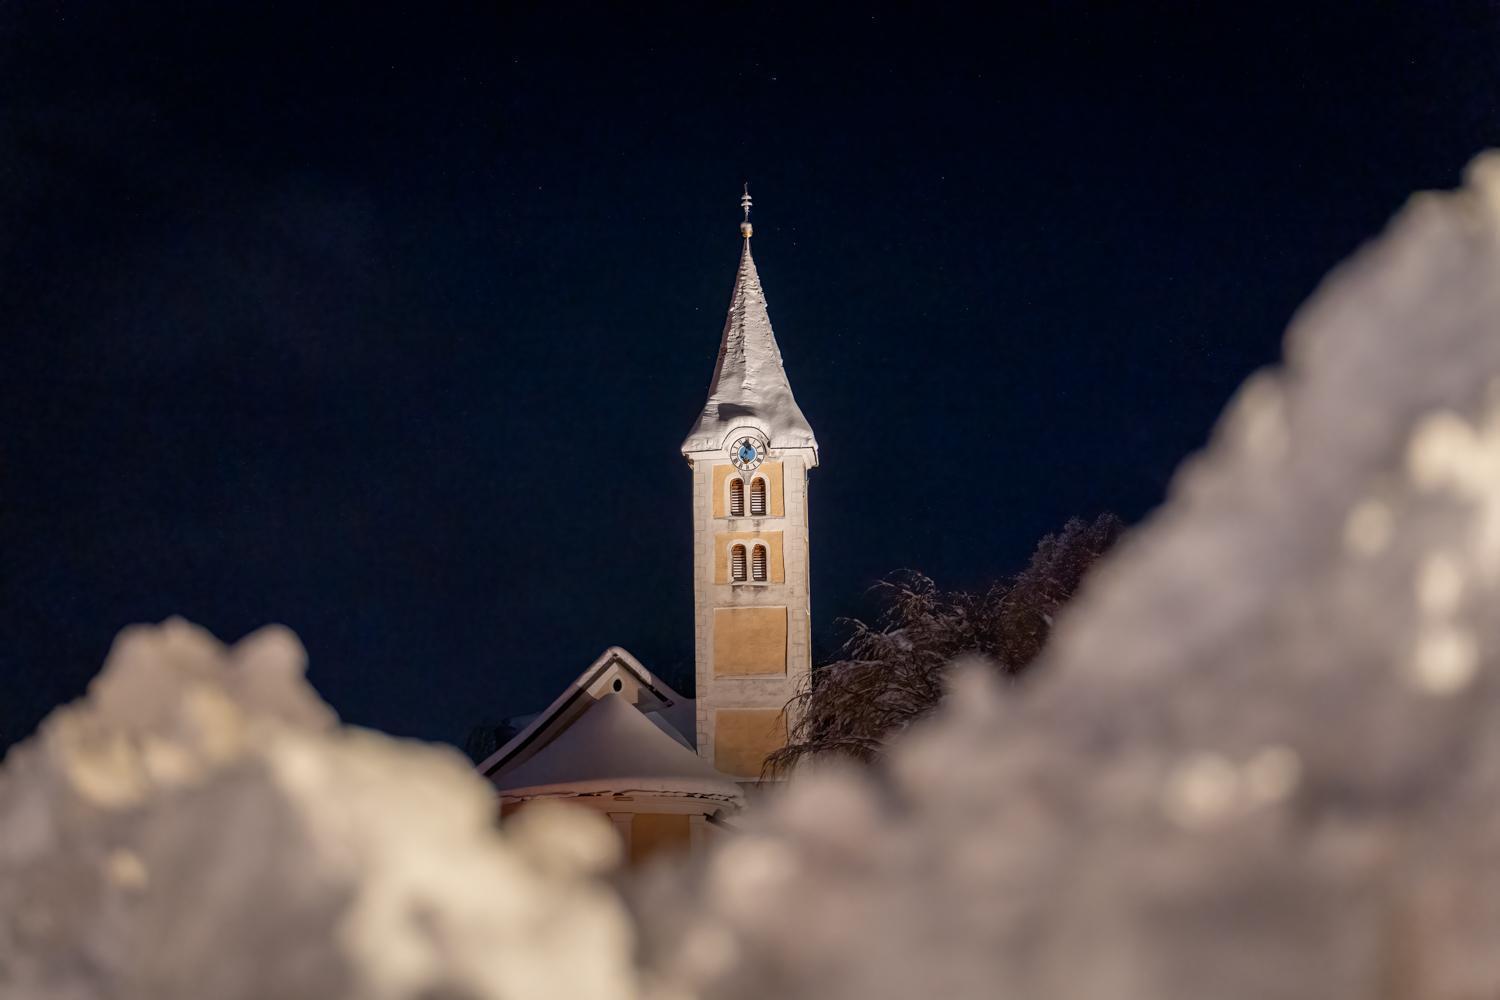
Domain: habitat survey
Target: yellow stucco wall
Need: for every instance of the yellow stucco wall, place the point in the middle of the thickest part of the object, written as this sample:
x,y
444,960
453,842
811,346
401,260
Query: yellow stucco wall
x,y
652,833
743,737
775,477
749,641
724,541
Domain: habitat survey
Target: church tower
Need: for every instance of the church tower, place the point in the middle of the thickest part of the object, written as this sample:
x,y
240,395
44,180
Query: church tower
x,y
750,452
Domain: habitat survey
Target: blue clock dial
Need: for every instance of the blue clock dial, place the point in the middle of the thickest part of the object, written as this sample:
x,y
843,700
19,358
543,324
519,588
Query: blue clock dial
x,y
747,453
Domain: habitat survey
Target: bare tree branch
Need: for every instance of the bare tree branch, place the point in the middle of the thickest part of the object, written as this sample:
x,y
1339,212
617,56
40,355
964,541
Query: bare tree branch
x,y
894,671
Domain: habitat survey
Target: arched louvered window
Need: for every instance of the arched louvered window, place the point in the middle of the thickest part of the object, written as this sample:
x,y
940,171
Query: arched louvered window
x,y
758,564
758,498
736,498
737,563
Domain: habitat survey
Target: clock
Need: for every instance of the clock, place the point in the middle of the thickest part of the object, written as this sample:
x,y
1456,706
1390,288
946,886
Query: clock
x,y
747,453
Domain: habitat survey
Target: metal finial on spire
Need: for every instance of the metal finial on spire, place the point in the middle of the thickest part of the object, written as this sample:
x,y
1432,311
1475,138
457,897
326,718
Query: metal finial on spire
x,y
745,228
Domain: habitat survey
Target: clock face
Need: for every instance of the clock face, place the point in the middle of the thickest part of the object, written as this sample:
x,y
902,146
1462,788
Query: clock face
x,y
747,453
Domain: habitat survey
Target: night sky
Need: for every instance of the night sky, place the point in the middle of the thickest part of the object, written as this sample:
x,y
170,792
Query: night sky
x,y
388,327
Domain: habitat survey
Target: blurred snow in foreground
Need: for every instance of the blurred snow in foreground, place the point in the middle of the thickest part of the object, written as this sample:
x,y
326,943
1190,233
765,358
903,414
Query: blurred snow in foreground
x,y
1262,760
199,827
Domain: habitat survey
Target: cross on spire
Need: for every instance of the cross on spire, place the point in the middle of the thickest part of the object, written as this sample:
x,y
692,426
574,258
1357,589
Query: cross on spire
x,y
745,228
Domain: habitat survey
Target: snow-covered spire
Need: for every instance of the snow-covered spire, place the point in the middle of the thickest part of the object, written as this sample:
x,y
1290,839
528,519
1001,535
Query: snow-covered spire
x,y
749,387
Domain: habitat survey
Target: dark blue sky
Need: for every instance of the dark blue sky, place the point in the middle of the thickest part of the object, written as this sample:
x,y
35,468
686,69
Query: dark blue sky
x,y
388,326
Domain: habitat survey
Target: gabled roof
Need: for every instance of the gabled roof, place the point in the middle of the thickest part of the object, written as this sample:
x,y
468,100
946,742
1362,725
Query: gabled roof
x,y
613,748
749,387
666,709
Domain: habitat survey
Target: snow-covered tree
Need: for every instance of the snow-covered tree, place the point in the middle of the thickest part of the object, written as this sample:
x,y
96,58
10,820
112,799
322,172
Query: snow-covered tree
x,y
895,671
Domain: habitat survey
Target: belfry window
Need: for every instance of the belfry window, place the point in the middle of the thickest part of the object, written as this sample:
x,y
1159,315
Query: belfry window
x,y
736,498
758,564
737,563
758,498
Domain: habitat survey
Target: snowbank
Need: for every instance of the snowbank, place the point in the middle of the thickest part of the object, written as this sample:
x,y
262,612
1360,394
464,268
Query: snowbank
x,y
1263,757
200,827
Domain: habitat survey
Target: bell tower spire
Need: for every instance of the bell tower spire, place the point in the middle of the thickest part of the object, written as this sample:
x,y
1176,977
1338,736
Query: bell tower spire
x,y
750,451
749,385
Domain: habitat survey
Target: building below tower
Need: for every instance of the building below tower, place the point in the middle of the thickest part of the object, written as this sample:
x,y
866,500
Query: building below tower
x,y
665,768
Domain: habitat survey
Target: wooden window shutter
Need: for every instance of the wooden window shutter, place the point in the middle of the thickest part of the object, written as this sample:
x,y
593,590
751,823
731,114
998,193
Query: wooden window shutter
x,y
736,498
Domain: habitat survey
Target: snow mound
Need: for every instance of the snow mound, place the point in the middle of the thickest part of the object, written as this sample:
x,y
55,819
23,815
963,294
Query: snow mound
x,y
1262,758
200,826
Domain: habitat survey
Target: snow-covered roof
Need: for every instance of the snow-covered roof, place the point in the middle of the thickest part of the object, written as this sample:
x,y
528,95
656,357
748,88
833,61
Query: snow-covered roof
x,y
750,387
678,720
665,708
613,747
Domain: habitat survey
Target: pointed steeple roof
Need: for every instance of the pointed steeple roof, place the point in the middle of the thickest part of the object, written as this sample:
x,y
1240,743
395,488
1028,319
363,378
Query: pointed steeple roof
x,y
749,387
